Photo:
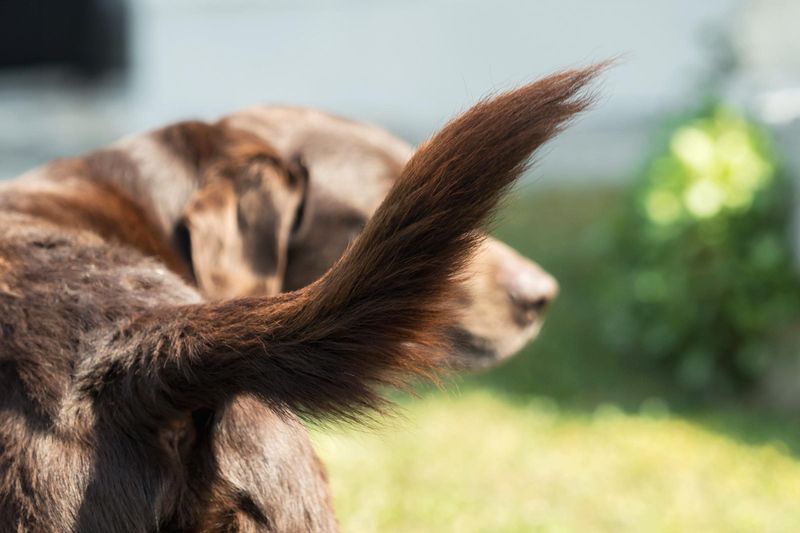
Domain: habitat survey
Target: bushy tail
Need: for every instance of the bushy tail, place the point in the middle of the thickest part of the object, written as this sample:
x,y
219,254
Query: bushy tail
x,y
379,315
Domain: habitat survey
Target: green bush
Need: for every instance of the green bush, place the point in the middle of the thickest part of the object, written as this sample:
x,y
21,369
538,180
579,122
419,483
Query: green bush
x,y
703,274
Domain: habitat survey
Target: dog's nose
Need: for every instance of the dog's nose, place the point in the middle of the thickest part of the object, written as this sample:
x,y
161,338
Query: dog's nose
x,y
530,289
531,292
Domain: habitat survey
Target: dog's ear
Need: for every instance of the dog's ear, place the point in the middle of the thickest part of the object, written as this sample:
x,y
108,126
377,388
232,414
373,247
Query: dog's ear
x,y
209,240
235,229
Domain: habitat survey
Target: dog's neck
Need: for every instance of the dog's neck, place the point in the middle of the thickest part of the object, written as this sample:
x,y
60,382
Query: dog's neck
x,y
133,192
160,180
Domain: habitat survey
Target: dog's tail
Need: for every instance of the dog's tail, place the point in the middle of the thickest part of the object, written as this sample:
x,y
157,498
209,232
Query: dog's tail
x,y
379,315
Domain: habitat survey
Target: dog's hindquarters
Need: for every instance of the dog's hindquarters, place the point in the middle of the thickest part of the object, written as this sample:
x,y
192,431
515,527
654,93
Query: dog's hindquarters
x,y
377,317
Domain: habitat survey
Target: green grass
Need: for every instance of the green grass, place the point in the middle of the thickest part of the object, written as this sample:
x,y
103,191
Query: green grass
x,y
566,436
474,463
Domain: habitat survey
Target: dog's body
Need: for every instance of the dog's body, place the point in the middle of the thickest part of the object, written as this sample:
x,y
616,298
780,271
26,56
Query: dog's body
x,y
131,403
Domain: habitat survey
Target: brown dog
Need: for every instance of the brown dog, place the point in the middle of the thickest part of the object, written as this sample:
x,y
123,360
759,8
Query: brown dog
x,y
131,404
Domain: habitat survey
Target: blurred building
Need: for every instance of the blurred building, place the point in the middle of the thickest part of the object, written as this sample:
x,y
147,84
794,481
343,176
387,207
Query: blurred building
x,y
405,65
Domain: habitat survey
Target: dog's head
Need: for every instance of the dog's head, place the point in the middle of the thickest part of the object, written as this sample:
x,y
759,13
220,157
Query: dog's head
x,y
274,215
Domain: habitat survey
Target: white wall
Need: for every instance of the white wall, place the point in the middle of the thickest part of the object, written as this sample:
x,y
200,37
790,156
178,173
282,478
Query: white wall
x,y
407,65
410,65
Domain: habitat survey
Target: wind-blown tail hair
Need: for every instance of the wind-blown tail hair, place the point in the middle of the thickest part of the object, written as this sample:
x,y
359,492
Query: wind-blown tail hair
x,y
378,316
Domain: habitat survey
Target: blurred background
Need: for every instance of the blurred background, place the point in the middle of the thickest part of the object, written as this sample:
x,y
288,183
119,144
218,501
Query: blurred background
x,y
662,394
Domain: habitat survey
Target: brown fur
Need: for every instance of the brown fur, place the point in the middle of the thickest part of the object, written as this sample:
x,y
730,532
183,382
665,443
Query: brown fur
x,y
130,404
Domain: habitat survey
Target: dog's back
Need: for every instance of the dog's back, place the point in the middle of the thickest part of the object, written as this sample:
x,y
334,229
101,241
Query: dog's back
x,y
130,405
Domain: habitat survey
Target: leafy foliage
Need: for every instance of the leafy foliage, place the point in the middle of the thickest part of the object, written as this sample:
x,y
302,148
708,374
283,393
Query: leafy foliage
x,y
702,257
